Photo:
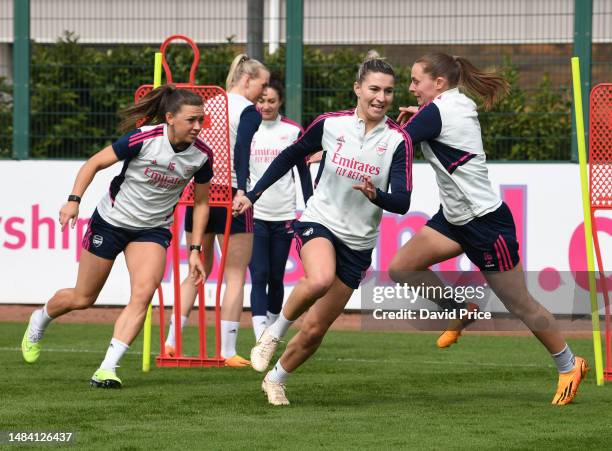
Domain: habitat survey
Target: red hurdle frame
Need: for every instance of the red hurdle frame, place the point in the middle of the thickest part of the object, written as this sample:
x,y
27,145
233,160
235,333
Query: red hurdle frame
x,y
600,182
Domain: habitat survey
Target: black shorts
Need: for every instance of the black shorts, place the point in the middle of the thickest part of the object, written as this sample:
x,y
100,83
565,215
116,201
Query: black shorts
x,y
489,241
351,265
216,220
107,241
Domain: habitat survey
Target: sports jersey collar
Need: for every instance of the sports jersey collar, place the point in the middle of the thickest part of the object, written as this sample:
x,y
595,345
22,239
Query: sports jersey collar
x,y
451,91
360,123
272,123
174,149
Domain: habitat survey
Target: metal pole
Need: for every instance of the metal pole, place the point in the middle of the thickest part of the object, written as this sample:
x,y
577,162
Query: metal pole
x,y
21,79
583,36
255,12
294,59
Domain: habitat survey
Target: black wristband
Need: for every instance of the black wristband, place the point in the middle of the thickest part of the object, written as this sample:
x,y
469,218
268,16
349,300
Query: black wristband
x,y
74,198
195,247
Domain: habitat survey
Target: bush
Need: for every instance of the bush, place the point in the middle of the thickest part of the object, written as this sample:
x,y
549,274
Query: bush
x,y
528,126
6,119
77,91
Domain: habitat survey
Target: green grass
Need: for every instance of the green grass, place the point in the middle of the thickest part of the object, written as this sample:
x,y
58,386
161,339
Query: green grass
x,y
362,390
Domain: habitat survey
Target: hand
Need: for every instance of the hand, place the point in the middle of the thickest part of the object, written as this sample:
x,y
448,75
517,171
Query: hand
x,y
196,268
240,205
315,157
405,113
367,188
69,213
240,192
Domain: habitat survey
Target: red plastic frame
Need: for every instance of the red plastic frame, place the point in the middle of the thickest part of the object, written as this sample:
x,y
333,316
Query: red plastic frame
x,y
600,187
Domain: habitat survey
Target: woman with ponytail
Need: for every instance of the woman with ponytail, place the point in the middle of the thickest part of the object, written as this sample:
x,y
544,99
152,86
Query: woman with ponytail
x,y
364,154
472,218
134,217
246,80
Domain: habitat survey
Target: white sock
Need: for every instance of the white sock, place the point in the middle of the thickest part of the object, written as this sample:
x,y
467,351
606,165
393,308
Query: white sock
x,y
278,374
279,328
260,322
171,339
229,333
39,321
115,351
565,360
272,317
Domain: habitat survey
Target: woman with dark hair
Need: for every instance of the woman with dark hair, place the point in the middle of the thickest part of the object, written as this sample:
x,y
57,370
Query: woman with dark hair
x,y
364,154
472,218
275,212
134,216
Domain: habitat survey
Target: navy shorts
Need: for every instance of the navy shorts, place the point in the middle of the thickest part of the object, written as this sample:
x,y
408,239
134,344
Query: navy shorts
x,y
107,241
275,230
216,220
351,265
489,241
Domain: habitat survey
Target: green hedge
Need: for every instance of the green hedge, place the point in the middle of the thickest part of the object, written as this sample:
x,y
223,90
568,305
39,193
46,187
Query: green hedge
x,y
6,118
76,91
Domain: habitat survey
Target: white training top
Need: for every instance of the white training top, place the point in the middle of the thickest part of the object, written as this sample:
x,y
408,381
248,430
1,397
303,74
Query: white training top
x,y
145,193
350,155
449,133
277,203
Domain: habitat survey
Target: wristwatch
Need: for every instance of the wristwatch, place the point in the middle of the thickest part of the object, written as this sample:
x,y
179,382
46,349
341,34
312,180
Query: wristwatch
x,y
195,247
74,198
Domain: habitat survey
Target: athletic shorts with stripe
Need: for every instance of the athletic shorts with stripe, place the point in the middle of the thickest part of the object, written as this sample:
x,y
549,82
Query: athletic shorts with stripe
x,y
351,265
489,241
216,220
107,241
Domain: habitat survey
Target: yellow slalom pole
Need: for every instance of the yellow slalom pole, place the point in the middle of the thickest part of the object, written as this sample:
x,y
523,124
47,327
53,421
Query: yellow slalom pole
x,y
146,343
588,228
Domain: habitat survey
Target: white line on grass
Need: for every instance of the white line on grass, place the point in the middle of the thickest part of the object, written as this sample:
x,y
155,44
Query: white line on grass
x,y
324,359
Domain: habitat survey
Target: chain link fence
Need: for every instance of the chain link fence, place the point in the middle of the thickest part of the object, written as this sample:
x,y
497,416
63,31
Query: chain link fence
x,y
88,57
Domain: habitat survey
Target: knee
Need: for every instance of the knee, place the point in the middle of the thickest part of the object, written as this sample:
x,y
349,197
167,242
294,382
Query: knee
x,y
234,275
404,271
79,301
259,276
319,285
313,334
143,292
276,280
522,306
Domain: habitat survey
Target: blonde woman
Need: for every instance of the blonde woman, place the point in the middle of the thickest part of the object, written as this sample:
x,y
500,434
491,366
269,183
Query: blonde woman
x,y
245,83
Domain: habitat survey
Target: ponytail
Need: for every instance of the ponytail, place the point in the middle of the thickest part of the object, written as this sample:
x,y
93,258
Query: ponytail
x,y
152,108
241,65
488,86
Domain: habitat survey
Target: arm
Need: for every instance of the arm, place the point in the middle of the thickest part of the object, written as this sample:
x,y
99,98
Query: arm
x,y
250,119
425,125
101,160
305,179
398,200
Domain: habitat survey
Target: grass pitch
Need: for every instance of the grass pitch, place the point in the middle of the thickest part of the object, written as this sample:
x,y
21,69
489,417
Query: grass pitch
x,y
362,390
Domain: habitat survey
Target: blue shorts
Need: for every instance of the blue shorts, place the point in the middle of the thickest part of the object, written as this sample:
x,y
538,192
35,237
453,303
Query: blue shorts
x,y
107,241
489,241
351,265
216,220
